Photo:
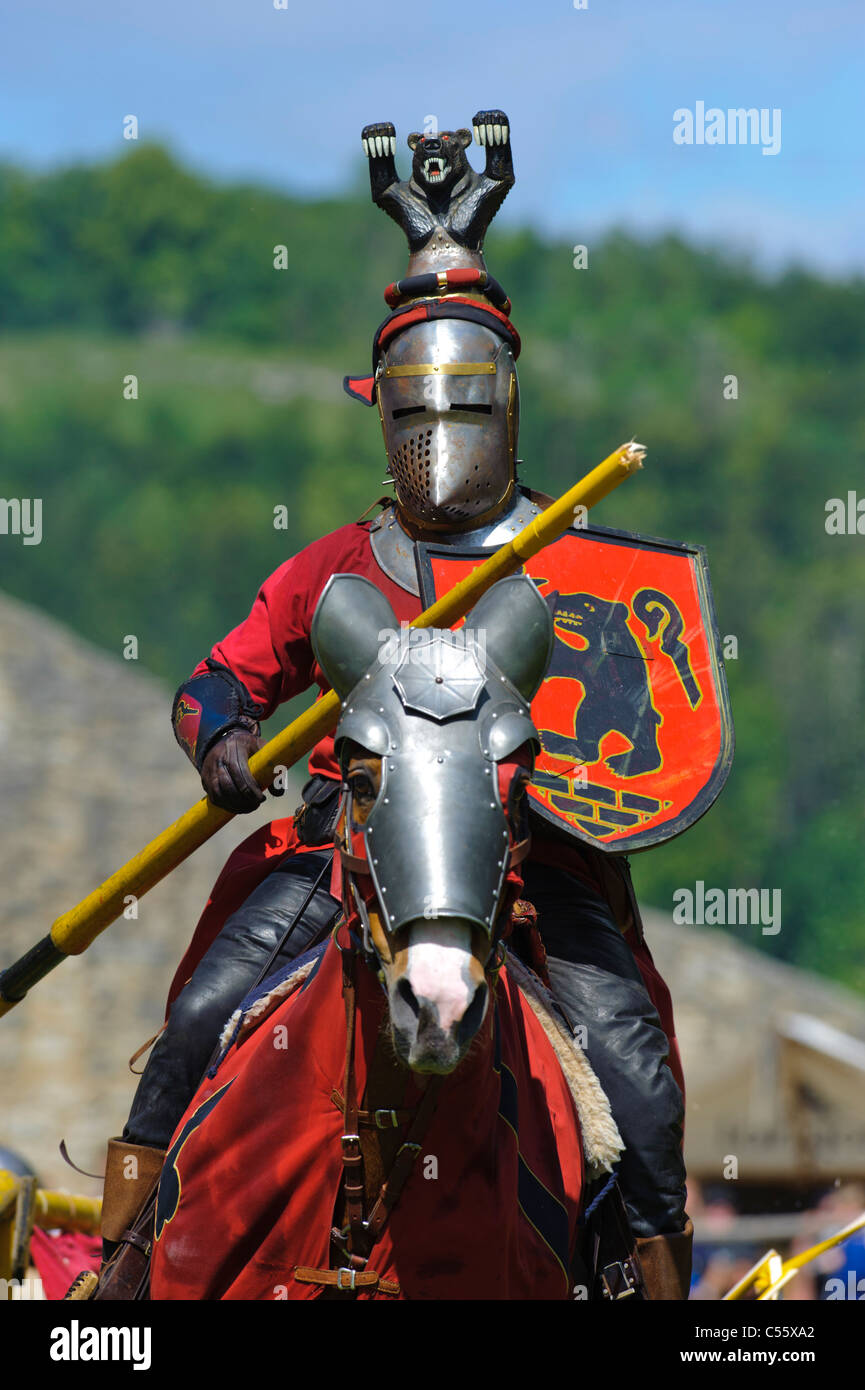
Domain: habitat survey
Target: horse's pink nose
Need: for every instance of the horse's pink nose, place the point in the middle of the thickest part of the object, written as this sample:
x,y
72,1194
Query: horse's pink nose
x,y
432,1034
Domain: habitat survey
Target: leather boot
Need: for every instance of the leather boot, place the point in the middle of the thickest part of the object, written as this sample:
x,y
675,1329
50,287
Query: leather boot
x,y
128,1184
666,1263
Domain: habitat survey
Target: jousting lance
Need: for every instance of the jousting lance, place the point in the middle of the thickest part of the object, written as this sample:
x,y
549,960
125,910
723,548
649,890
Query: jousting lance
x,y
75,930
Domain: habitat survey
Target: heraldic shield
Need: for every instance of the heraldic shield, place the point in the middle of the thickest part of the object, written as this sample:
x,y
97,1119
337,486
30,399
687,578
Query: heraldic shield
x,y
634,714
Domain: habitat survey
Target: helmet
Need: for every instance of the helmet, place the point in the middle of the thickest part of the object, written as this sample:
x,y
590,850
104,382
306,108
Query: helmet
x,y
449,405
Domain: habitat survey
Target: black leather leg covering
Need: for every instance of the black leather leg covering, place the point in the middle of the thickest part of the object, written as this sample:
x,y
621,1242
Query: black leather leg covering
x,y
598,984
224,976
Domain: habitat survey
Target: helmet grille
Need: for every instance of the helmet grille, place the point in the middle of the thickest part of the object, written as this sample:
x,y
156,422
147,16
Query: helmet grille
x,y
410,469
410,466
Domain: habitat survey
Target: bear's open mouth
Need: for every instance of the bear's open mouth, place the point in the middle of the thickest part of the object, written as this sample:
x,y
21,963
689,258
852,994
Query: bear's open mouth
x,y
433,170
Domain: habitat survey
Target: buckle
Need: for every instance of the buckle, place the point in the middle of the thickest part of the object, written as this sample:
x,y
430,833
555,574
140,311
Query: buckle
x,y
385,1118
618,1280
414,1147
352,1276
347,1139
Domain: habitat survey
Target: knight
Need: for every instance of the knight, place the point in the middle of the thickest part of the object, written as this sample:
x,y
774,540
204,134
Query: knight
x,y
444,383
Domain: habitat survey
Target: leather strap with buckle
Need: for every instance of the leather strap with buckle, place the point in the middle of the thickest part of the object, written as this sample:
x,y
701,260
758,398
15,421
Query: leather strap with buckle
x,y
374,1119
346,1280
619,1280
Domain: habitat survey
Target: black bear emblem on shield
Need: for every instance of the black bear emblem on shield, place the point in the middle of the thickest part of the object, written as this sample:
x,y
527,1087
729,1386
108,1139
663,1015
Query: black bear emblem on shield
x,y
633,715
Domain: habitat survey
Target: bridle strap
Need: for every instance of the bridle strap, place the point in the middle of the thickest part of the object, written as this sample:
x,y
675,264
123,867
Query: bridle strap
x,y
381,1118
352,1157
364,1234
519,851
405,1160
355,863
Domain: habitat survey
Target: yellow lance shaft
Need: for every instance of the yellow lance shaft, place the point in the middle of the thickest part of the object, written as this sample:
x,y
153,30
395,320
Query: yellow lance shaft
x,y
75,930
771,1274
22,1206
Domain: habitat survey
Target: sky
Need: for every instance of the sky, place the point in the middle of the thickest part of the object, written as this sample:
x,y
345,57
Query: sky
x,y
241,89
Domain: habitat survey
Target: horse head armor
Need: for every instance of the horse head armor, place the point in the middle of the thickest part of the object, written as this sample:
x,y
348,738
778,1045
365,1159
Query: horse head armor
x,y
441,721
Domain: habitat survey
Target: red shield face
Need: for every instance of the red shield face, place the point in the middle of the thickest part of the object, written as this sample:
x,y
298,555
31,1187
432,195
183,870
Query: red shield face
x,y
633,715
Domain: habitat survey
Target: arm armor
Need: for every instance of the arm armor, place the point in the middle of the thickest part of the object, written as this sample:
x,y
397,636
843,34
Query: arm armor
x,y
207,706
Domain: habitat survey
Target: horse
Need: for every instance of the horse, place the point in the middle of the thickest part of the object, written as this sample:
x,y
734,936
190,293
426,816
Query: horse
x,y
401,1113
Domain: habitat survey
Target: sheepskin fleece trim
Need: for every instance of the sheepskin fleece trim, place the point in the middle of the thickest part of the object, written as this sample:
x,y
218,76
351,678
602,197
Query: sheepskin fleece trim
x,y
602,1142
243,1021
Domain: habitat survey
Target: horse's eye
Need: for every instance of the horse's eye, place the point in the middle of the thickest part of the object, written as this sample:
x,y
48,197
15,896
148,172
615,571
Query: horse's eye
x,y
361,786
519,787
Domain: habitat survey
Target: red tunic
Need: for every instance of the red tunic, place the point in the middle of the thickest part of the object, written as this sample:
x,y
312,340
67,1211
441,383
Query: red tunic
x,y
271,652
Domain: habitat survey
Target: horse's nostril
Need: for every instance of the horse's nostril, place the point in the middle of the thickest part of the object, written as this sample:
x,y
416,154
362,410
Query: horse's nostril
x,y
407,995
473,1016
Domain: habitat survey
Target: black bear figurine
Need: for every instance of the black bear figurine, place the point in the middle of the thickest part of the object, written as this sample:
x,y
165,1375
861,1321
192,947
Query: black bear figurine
x,y
445,207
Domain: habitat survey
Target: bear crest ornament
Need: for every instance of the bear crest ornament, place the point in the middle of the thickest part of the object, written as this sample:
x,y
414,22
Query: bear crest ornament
x,y
445,207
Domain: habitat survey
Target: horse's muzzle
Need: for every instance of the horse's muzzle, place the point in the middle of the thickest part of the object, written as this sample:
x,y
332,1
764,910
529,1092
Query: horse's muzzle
x,y
438,996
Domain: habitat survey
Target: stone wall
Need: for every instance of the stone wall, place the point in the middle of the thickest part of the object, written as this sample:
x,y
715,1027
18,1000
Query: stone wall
x,y
89,772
